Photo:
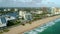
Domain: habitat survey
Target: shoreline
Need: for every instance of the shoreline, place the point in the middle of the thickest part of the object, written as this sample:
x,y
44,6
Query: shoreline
x,y
42,27
41,24
21,29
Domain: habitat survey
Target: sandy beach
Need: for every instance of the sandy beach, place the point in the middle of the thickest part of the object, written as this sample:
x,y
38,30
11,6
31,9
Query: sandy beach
x,y
20,29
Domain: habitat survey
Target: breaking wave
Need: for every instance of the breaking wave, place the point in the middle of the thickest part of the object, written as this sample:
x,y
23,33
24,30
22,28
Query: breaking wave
x,y
42,27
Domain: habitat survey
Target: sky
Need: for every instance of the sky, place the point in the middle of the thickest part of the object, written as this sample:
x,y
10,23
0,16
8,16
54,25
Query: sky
x,y
29,3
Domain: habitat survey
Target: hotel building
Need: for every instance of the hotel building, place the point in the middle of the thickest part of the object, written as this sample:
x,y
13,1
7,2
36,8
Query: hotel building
x,y
4,18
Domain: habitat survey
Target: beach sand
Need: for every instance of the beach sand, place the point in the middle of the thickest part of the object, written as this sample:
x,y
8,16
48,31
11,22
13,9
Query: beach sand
x,y
20,29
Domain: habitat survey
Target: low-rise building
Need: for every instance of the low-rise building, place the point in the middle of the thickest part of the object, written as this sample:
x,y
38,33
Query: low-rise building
x,y
16,9
5,9
9,9
3,21
14,15
7,17
37,12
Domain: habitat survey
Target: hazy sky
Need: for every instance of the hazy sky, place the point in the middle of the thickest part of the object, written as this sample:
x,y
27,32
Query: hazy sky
x,y
29,3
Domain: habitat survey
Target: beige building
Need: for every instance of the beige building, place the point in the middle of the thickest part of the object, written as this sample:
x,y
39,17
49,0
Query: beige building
x,y
37,12
55,10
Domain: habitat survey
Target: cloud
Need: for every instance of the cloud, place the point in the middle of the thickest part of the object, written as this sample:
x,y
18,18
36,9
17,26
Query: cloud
x,y
22,0
28,3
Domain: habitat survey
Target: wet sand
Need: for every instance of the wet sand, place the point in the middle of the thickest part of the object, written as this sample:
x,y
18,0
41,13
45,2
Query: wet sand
x,y
20,29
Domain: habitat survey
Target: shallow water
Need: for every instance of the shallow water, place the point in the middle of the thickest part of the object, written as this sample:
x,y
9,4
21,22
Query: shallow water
x,y
52,27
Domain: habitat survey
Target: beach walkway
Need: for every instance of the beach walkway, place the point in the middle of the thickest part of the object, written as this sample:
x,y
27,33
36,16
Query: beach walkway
x,y
20,29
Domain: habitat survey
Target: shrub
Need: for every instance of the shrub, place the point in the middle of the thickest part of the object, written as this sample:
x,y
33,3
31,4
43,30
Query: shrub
x,y
5,30
1,31
13,22
10,23
23,24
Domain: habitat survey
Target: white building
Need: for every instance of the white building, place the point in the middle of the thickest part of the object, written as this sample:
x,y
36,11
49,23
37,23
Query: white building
x,y
25,15
8,9
16,9
9,17
2,22
59,11
5,18
55,11
37,12
5,9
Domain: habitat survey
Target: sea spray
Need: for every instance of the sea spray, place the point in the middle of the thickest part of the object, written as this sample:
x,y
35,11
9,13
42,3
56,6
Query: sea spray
x,y
42,27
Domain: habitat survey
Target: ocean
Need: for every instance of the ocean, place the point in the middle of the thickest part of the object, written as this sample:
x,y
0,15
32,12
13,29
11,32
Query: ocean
x,y
52,27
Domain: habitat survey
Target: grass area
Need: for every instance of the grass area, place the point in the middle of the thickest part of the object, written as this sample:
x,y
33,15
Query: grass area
x,y
3,30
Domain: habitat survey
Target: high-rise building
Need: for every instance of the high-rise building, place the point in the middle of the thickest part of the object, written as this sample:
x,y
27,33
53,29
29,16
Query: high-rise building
x,y
55,10
25,15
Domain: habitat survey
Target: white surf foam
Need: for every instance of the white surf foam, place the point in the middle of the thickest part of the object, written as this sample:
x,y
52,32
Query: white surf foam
x,y
57,20
31,32
42,28
50,24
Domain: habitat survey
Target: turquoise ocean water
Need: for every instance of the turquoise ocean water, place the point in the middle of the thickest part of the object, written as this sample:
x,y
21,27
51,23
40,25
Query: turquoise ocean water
x,y
52,27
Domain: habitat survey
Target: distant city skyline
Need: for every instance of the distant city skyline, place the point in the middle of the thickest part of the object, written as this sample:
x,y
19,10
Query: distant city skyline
x,y
29,3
